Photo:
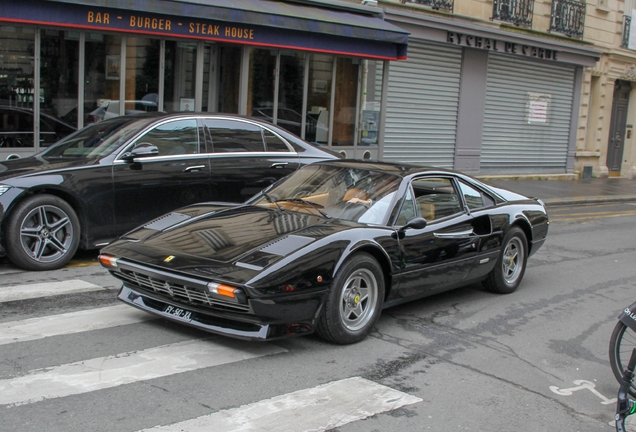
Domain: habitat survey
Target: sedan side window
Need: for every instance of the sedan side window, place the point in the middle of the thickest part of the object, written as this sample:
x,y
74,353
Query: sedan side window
x,y
475,199
173,138
436,198
229,136
274,143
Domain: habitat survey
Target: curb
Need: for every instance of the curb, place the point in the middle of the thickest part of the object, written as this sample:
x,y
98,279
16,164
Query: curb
x,y
588,200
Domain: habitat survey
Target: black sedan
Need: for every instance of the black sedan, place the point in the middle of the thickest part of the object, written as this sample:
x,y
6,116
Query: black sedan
x,y
326,249
109,177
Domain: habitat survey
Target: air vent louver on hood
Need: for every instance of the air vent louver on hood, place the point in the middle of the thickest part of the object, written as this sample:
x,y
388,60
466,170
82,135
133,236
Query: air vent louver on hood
x,y
166,221
287,245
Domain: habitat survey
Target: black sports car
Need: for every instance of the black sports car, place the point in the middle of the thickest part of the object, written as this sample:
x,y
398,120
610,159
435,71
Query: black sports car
x,y
109,177
326,249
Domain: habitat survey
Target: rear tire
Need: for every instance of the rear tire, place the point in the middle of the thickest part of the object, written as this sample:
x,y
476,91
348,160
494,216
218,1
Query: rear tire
x,y
354,301
622,341
511,264
42,233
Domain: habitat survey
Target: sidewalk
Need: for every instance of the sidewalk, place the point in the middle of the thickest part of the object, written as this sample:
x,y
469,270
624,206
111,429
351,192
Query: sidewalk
x,y
572,192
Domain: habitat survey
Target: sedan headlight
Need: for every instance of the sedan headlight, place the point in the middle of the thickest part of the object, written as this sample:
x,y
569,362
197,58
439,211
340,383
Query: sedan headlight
x,y
4,188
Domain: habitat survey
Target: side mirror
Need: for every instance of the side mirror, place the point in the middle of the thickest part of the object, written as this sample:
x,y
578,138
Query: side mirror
x,y
415,223
13,156
141,150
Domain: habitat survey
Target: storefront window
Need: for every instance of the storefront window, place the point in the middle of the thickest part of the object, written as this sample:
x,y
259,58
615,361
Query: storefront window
x,y
262,81
180,76
209,78
142,75
319,94
290,95
344,120
59,70
16,86
101,76
229,78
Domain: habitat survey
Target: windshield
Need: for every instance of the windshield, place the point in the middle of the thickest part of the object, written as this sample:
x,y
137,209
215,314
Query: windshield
x,y
98,139
353,194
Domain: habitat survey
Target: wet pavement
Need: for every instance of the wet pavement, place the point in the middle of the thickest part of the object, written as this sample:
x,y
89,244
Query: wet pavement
x,y
573,192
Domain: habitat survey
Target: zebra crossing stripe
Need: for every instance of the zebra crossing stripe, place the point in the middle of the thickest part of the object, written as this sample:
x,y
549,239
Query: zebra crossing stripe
x,y
70,323
30,291
112,371
325,407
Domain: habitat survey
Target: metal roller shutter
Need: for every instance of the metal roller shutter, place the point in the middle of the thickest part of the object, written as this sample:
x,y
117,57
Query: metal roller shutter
x,y
527,116
422,100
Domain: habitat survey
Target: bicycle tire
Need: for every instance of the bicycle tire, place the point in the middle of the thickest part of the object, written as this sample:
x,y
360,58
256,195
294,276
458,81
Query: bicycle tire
x,y
622,341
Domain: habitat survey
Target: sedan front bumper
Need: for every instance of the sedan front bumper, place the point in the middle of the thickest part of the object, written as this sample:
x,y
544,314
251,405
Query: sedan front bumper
x,y
286,317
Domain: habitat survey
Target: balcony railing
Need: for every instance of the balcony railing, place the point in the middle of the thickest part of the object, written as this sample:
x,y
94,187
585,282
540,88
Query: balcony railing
x,y
446,5
568,17
627,25
518,12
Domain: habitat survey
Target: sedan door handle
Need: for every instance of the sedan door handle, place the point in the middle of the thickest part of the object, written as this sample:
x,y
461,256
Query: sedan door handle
x,y
454,235
279,165
194,168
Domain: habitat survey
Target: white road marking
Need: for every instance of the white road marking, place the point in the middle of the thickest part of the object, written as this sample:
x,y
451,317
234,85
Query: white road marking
x,y
582,385
106,372
325,407
23,292
70,323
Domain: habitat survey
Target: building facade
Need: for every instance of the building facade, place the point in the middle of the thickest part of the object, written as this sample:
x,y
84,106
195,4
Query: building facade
x,y
488,86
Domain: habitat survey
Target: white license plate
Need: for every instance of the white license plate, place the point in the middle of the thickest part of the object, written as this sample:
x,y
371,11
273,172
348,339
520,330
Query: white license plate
x,y
178,312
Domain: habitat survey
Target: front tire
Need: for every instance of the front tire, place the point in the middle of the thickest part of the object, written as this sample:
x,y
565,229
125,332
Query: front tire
x,y
354,302
511,263
42,233
622,341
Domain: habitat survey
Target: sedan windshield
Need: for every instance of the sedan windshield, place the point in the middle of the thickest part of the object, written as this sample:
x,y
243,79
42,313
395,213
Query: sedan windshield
x,y
98,139
353,194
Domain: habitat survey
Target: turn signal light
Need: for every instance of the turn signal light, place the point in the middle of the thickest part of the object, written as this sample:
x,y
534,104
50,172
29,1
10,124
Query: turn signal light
x,y
108,260
222,289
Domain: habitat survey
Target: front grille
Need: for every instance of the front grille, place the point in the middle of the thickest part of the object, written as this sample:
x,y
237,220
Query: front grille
x,y
178,292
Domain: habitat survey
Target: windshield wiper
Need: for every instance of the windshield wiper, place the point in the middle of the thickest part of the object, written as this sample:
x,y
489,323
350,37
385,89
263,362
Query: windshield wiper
x,y
270,199
314,205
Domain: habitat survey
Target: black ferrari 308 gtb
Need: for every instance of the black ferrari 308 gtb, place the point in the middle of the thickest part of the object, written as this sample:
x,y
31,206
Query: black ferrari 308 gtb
x,y
326,249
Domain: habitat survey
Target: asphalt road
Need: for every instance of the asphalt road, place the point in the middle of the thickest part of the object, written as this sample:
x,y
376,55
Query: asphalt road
x,y
467,360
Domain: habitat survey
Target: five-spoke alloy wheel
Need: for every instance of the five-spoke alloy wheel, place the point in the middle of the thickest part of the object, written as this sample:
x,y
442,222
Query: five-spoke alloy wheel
x,y
511,264
355,301
42,233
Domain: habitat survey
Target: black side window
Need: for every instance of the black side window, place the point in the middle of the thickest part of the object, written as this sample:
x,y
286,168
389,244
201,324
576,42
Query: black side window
x,y
230,136
274,143
174,137
436,198
474,198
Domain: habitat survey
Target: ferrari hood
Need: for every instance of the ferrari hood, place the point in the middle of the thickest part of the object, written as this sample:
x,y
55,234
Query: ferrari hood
x,y
244,236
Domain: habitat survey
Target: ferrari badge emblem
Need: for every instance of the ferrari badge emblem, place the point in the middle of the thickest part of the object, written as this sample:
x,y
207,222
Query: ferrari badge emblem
x,y
169,258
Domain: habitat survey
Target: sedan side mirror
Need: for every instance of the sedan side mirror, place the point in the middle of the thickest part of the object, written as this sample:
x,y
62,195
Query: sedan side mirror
x,y
141,150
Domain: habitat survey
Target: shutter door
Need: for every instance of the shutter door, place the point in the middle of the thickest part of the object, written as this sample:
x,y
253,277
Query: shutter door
x,y
527,116
422,100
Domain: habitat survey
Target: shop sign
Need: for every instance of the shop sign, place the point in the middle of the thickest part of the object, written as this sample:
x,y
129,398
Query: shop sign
x,y
491,44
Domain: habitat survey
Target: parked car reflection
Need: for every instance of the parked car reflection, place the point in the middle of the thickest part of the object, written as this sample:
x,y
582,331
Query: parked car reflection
x,y
292,121
110,109
16,128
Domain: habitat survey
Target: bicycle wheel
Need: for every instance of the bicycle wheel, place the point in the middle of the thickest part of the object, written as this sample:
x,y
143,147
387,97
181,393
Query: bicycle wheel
x,y
622,341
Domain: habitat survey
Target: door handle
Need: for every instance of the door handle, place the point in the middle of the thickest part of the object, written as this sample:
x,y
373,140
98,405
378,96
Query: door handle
x,y
279,165
194,168
459,234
